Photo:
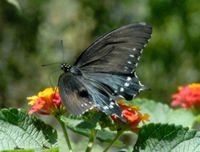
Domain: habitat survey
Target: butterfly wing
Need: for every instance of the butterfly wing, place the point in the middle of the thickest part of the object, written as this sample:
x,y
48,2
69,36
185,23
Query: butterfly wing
x,y
116,52
127,86
80,94
112,59
108,71
74,94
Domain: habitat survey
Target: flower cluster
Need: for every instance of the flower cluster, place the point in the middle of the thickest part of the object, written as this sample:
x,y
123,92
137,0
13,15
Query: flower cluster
x,y
46,102
188,96
132,115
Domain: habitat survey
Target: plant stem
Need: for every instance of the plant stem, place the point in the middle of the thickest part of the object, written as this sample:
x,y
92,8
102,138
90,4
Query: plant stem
x,y
65,133
91,140
113,141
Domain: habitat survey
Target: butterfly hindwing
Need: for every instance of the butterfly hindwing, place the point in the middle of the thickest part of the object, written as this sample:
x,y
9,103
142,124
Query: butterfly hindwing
x,y
80,94
74,94
126,86
102,97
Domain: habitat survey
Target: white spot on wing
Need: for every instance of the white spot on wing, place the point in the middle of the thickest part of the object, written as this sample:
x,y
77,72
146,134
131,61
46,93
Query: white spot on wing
x,y
134,95
135,75
121,96
125,68
129,79
126,84
85,104
105,107
132,56
111,106
112,103
141,84
121,89
129,62
134,49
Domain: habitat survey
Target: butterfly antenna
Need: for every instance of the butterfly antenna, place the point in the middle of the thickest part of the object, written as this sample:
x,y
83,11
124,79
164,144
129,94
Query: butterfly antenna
x,y
49,64
62,49
51,79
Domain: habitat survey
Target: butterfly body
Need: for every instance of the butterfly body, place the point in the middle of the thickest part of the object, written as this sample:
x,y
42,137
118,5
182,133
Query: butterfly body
x,y
105,72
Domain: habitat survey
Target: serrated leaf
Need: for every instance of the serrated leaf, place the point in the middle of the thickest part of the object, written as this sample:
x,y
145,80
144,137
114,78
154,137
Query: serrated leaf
x,y
21,131
162,113
167,138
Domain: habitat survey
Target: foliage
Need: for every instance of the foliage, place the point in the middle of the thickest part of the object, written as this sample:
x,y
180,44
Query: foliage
x,y
20,131
27,132
162,113
30,31
163,137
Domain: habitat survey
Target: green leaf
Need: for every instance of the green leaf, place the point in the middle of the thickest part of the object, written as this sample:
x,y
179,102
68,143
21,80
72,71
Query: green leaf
x,y
167,138
23,150
21,131
162,113
72,123
83,127
15,3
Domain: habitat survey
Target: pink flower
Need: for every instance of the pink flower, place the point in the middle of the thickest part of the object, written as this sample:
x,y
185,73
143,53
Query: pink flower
x,y
187,97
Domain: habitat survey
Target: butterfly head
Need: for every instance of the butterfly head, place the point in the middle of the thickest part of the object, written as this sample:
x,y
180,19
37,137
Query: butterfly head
x,y
65,67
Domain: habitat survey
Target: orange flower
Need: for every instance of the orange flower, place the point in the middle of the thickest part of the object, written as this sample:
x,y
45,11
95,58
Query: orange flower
x,y
188,96
46,102
132,115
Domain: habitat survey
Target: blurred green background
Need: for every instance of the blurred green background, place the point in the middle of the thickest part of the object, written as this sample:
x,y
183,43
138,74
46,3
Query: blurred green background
x,y
30,32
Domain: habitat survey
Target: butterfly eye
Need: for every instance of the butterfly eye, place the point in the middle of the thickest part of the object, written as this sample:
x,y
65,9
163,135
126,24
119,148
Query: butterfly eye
x,y
83,93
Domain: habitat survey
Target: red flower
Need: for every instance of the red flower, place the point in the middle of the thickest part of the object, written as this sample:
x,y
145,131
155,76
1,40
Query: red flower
x,y
129,115
188,96
46,102
132,115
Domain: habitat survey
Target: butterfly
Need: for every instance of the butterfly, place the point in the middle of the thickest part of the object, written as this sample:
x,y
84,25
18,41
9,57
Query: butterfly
x,y
105,72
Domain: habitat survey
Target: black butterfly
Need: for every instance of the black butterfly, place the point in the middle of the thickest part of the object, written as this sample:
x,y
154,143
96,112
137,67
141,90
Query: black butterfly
x,y
105,71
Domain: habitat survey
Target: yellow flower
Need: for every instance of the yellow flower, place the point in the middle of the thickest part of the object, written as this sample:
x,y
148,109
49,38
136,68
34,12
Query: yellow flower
x,y
46,102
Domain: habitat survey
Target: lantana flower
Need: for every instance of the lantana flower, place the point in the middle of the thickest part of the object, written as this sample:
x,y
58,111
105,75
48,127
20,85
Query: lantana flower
x,y
46,102
188,96
132,115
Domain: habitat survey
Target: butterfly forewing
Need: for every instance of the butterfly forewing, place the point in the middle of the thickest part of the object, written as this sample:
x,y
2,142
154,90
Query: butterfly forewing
x,y
113,58
117,52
